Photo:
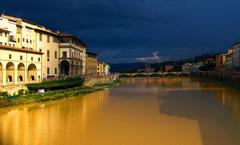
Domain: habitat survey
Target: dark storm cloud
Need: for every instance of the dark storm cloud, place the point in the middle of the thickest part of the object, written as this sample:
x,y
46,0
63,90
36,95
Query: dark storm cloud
x,y
123,30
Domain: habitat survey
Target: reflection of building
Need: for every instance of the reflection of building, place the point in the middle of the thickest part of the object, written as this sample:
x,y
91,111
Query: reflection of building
x,y
91,63
220,61
72,55
55,123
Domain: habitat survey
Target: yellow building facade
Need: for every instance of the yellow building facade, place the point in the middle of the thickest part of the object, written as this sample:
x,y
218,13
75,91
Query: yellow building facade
x,y
32,53
91,64
100,68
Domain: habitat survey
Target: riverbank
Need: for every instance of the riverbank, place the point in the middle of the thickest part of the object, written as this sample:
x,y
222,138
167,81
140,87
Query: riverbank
x,y
55,95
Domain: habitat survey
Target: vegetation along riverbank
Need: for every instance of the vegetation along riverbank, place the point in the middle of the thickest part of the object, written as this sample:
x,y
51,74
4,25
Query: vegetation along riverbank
x,y
53,90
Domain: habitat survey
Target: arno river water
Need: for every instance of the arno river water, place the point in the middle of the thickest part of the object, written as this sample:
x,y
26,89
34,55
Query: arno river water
x,y
139,112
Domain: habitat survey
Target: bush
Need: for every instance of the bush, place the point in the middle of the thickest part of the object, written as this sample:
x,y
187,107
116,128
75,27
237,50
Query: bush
x,y
56,84
4,94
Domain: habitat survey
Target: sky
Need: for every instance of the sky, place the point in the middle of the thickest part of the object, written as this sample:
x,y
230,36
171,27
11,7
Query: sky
x,y
123,31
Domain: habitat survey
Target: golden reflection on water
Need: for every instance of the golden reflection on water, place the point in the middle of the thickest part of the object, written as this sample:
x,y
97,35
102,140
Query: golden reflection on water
x,y
140,112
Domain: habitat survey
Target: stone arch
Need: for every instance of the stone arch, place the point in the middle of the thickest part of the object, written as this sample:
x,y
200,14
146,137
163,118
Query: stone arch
x,y
21,72
32,73
65,67
10,72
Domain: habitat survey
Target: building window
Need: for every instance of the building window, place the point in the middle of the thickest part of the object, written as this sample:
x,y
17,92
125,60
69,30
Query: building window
x,y
64,55
55,54
39,59
48,53
31,58
40,37
48,70
48,59
21,57
10,56
30,41
18,39
5,34
48,38
40,50
0,43
55,39
23,40
55,70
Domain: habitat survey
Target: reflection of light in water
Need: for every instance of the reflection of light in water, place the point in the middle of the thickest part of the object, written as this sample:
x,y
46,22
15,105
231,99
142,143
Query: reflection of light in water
x,y
50,124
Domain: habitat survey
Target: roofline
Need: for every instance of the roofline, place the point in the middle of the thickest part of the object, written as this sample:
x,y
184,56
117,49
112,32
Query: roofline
x,y
19,49
72,36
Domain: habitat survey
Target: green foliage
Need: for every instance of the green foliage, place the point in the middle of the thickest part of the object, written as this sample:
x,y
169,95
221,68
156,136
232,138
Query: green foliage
x,y
21,92
56,84
4,94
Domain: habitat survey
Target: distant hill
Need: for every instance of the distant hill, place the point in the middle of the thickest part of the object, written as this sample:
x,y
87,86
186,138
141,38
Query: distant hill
x,y
123,67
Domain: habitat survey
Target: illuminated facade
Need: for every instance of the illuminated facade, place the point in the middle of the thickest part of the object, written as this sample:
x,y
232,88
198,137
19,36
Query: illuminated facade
x,y
26,44
91,64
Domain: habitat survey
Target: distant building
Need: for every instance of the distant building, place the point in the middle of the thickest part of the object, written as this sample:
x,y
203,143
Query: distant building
x,y
187,67
236,56
107,69
91,63
168,68
72,55
196,66
100,68
229,60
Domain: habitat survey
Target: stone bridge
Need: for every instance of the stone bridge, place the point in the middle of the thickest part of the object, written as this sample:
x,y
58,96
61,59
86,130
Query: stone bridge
x,y
155,74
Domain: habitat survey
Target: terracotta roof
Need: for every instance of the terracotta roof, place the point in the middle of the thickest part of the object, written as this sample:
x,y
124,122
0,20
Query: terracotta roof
x,y
19,49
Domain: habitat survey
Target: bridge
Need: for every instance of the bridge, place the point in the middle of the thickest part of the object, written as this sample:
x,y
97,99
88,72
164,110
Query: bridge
x,y
154,74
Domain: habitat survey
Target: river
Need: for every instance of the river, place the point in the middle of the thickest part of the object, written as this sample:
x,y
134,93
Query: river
x,y
139,112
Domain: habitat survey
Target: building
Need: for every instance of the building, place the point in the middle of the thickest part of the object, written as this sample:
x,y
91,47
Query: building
x,y
168,68
196,66
32,53
72,59
229,60
28,35
91,63
236,56
100,68
107,69
187,67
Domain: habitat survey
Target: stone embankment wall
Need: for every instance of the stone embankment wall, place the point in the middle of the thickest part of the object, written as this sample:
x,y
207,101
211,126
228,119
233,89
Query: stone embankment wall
x,y
234,76
93,80
89,81
12,89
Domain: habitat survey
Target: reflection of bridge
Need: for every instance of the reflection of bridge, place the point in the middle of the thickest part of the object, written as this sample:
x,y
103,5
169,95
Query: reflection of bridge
x,y
155,74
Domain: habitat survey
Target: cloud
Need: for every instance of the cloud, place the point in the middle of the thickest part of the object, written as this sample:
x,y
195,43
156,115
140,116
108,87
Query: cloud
x,y
123,30
154,58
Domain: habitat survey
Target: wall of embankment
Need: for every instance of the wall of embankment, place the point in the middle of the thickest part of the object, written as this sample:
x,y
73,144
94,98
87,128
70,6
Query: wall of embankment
x,y
231,79
89,81
93,80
